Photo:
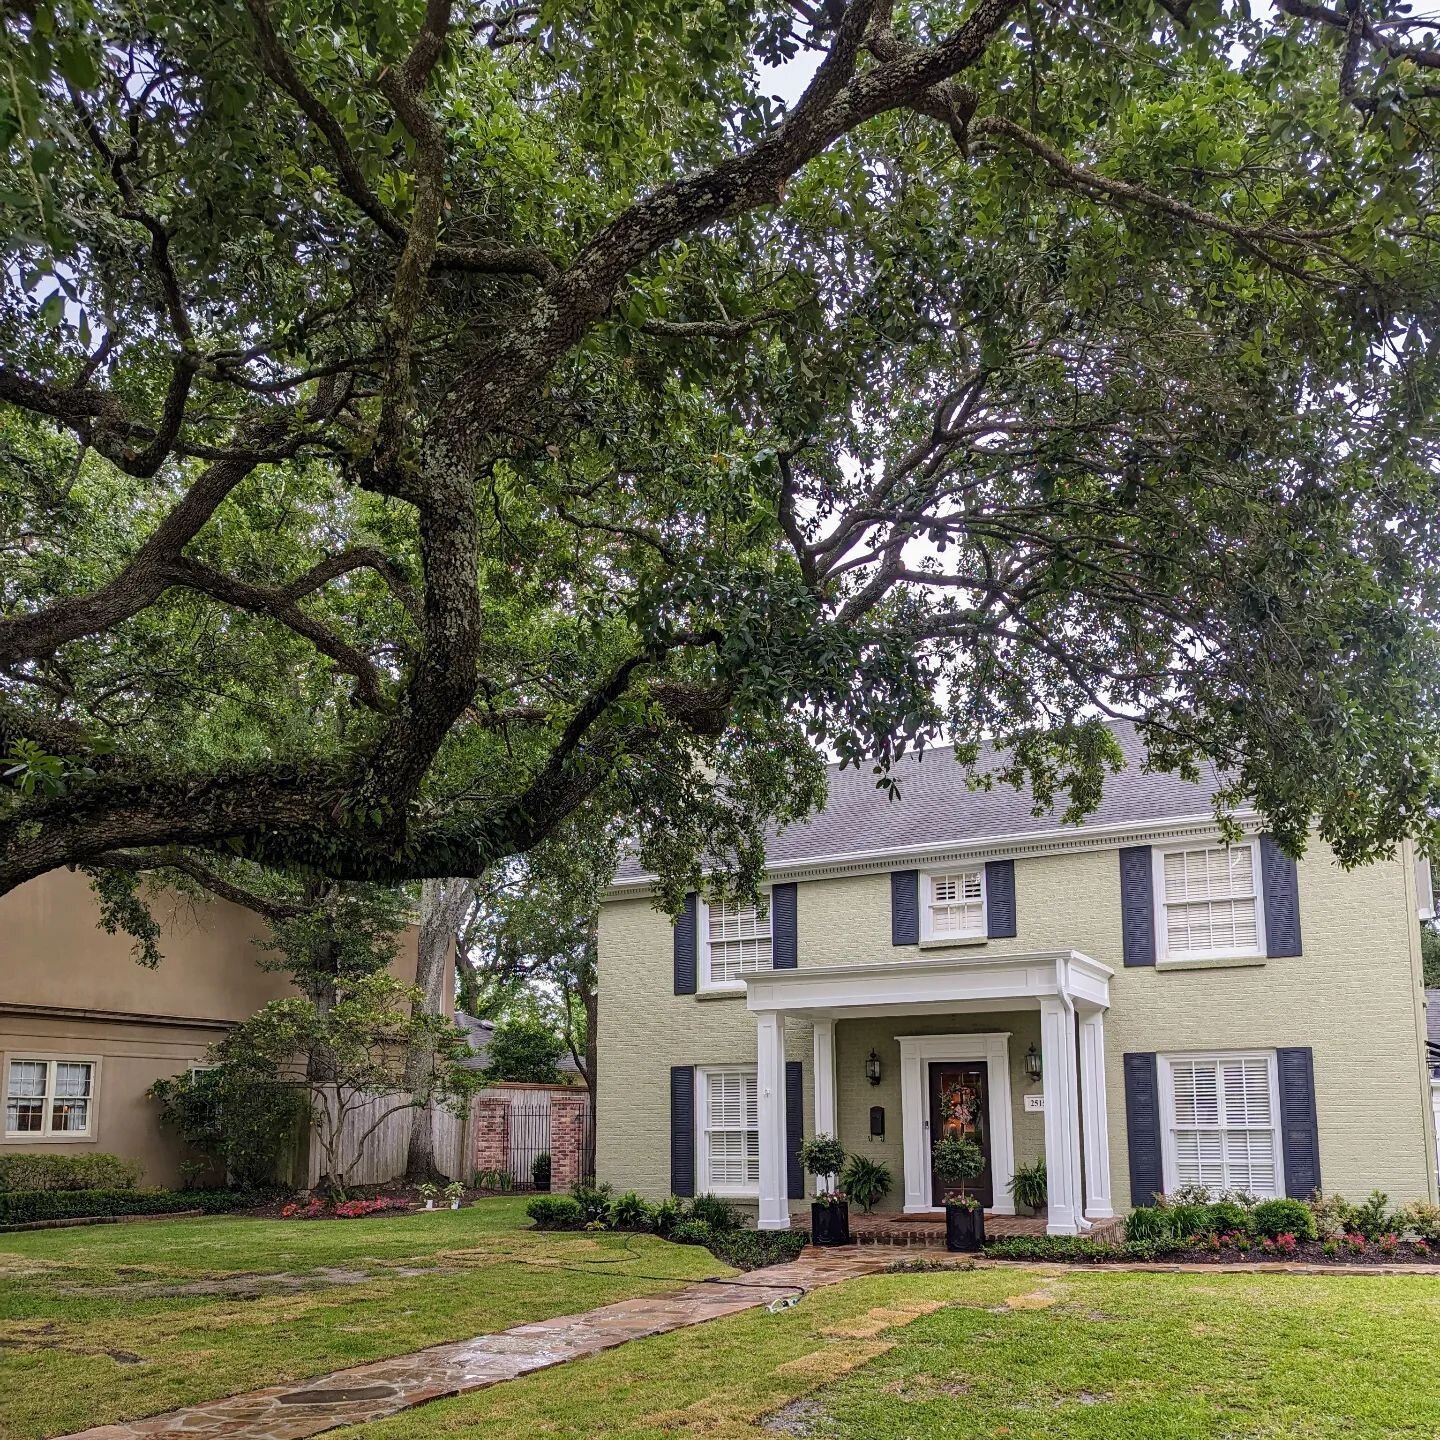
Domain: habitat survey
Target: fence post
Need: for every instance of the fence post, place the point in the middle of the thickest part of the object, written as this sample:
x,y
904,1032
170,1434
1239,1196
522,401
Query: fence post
x,y
492,1132
567,1138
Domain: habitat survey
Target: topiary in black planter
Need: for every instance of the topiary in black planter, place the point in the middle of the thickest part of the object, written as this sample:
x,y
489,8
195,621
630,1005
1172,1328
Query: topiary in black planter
x,y
964,1226
830,1222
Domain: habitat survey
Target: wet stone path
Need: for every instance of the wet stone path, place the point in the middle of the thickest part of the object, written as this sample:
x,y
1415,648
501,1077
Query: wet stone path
x,y
386,1387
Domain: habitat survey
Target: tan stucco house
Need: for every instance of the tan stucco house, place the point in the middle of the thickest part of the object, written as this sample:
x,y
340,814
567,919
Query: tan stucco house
x,y
85,1031
1131,999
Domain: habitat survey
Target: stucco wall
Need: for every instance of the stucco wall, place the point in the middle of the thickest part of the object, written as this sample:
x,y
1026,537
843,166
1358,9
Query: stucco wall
x,y
68,989
1353,996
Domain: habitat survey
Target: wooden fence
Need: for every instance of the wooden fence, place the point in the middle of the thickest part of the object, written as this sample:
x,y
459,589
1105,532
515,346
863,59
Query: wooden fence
x,y
381,1156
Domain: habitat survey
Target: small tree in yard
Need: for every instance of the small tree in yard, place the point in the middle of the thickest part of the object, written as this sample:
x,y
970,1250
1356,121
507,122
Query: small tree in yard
x,y
365,1045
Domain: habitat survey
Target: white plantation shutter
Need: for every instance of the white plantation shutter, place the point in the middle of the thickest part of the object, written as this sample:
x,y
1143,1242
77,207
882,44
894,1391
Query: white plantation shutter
x,y
739,941
1210,901
957,903
732,1130
1223,1134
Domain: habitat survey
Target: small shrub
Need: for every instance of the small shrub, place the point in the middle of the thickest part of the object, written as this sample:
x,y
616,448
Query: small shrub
x,y
1184,1195
958,1158
1065,1248
1356,1242
594,1202
630,1212
23,1206
1147,1222
1187,1221
718,1214
1332,1214
754,1249
1275,1217
1030,1186
67,1172
1389,1243
1421,1220
540,1171
1331,1247
501,1180
667,1215
1286,1243
556,1212
355,1209
1226,1216
866,1181
1373,1219
691,1232
822,1155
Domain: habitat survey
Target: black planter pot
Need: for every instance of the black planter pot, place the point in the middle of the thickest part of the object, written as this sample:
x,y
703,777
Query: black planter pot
x,y
830,1224
964,1229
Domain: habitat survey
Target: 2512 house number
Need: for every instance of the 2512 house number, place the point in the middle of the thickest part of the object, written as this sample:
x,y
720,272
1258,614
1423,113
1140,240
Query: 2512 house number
x,y
1034,1102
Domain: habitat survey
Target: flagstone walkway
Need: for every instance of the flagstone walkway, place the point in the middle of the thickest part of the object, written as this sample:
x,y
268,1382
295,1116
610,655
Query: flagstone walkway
x,y
385,1387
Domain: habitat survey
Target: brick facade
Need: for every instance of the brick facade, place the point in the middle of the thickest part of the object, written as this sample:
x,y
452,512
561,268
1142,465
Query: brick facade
x,y
568,1116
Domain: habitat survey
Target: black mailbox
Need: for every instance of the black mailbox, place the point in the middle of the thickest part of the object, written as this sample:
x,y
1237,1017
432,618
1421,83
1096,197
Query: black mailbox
x,y
877,1122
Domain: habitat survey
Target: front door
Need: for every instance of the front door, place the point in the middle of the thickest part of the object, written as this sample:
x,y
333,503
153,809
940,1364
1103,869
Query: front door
x,y
960,1105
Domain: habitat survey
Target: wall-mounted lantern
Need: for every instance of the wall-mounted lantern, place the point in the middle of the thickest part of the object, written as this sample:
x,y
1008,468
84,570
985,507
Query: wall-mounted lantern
x,y
872,1068
1034,1067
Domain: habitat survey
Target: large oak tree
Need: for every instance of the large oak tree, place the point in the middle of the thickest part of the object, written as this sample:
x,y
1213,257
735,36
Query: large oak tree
x,y
423,422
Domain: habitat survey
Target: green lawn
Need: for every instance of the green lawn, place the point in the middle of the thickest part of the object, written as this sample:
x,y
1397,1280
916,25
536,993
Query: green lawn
x,y
85,1338
1028,1355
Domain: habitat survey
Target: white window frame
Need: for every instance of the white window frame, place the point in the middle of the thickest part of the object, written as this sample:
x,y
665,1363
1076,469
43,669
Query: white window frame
x,y
1424,888
1166,1078
1162,926
707,985
702,1131
47,1135
927,903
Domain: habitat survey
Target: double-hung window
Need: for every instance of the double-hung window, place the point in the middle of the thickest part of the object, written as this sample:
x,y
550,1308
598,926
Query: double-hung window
x,y
954,905
49,1098
1222,1122
1208,899
728,1127
737,943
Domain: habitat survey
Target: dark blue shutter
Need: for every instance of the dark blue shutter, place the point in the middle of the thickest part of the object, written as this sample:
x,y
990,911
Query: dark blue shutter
x,y
682,1130
1142,1128
794,1129
1299,1132
904,907
1137,905
784,947
1282,899
685,937
1000,898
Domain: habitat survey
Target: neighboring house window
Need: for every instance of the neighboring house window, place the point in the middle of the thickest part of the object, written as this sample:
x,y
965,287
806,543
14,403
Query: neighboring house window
x,y
1209,900
1221,1122
49,1097
955,905
729,1131
737,942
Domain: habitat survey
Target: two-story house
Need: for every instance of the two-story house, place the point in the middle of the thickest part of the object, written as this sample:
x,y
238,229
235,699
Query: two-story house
x,y
85,1031
1131,999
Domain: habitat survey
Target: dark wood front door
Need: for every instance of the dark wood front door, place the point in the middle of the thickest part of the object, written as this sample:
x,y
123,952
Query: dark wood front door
x,y
960,1105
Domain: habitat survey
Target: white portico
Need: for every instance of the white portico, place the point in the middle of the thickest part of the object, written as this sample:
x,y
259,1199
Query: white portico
x,y
1071,992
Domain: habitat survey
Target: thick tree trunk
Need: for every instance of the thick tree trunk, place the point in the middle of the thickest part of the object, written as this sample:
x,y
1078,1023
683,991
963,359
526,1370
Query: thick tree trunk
x,y
442,903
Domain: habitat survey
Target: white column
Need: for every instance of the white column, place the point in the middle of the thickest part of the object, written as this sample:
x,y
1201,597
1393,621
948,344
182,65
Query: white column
x,y
1062,1116
826,1115
770,1097
1097,1121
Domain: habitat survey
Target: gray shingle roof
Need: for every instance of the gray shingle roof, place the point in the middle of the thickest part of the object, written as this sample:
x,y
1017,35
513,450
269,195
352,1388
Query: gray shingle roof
x,y
937,808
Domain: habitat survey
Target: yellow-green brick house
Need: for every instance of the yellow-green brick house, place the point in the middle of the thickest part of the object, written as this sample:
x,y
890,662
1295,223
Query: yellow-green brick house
x,y
1131,999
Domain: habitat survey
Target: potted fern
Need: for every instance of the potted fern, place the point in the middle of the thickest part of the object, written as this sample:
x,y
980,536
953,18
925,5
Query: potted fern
x,y
1030,1187
959,1158
823,1155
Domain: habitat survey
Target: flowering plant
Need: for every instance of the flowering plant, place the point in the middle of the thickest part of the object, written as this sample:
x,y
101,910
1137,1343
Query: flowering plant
x,y
829,1197
454,1190
354,1209
1287,1243
1355,1240
1388,1243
